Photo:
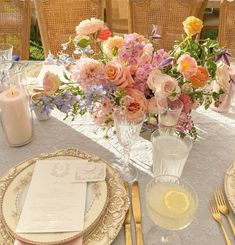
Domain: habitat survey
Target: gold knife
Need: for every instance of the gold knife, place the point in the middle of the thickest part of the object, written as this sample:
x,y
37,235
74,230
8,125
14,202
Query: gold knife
x,y
137,213
127,222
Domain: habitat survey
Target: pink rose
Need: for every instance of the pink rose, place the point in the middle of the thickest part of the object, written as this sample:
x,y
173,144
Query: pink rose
x,y
136,105
187,65
119,75
187,101
162,84
152,105
51,82
104,34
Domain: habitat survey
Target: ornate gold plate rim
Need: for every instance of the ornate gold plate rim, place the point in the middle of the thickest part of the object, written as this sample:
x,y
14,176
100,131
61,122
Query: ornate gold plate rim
x,y
113,215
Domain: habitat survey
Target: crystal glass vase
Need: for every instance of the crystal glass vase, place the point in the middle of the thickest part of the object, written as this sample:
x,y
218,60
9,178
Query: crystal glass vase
x,y
127,133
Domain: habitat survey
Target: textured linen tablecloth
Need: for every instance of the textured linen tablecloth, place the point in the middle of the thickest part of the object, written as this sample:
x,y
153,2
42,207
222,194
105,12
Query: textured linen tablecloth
x,y
207,162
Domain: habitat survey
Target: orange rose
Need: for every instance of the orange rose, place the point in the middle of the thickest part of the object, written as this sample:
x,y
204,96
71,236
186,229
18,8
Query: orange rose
x,y
200,78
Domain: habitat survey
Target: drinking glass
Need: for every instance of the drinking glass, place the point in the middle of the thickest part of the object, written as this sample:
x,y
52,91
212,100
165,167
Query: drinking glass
x,y
5,55
168,115
170,153
171,204
127,133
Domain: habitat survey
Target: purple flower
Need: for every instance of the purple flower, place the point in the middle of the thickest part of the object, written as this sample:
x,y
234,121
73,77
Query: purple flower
x,y
161,58
94,94
154,34
142,75
185,122
223,55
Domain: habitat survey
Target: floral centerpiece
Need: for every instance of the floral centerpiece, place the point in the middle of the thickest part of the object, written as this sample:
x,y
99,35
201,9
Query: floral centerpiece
x,y
131,73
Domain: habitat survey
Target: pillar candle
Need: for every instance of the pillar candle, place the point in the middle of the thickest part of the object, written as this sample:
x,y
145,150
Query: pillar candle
x,y
16,116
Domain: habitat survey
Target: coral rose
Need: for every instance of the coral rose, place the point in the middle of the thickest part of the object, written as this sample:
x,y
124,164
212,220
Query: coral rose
x,y
200,78
104,34
51,82
192,25
119,75
135,105
187,65
162,84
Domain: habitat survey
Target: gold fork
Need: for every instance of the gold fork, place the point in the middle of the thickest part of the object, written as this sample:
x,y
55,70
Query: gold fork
x,y
217,217
223,208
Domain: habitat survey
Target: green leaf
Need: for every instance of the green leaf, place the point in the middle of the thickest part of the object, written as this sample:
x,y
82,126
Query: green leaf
x,y
83,43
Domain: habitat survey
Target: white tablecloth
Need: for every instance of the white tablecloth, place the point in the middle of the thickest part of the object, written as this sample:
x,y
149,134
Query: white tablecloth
x,y
210,156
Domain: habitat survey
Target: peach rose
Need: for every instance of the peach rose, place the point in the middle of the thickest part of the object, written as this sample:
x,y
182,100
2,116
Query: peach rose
x,y
200,78
119,75
115,42
162,84
51,82
192,25
136,105
187,65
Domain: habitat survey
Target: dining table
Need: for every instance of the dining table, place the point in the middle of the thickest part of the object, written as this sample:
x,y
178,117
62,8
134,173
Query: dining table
x,y
212,153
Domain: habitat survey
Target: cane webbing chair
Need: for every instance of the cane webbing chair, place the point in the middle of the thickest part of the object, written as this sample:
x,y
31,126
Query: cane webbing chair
x,y
200,8
15,16
168,15
227,24
117,15
58,19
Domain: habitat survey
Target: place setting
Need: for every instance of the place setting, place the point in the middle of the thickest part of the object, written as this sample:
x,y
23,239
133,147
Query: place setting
x,y
137,98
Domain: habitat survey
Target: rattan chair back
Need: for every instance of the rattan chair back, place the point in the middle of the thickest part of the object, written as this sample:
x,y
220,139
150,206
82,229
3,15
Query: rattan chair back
x,y
168,15
59,18
15,17
227,24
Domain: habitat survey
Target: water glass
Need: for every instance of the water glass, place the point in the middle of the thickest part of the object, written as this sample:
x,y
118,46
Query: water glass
x,y
5,55
170,153
168,115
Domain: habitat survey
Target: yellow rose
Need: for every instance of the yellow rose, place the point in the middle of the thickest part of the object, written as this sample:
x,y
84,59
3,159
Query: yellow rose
x,y
192,25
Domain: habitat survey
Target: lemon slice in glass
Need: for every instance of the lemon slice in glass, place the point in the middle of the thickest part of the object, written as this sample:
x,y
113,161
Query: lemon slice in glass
x,y
177,202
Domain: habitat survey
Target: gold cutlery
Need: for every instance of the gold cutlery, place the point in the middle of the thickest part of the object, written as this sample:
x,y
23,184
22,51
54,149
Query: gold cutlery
x,y
217,217
127,222
137,213
223,208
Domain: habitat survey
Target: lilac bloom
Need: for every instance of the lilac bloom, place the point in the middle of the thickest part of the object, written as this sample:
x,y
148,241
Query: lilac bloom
x,y
64,46
154,34
223,55
50,57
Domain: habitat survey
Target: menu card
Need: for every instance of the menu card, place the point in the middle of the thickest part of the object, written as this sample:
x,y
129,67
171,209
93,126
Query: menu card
x,y
57,195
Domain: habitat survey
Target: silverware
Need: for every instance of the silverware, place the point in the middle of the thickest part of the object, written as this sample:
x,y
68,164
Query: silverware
x,y
137,213
127,222
217,217
223,208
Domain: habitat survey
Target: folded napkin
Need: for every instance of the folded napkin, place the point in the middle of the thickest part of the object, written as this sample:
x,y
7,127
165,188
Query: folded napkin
x,y
76,241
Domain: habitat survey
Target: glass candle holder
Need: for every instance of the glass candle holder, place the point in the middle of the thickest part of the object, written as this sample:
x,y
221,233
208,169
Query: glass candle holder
x,y
15,110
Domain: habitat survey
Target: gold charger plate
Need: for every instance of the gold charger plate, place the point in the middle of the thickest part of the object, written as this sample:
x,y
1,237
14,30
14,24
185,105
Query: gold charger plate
x,y
229,185
101,232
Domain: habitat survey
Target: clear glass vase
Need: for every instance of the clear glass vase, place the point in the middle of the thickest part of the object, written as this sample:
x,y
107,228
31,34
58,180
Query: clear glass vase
x,y
15,110
127,133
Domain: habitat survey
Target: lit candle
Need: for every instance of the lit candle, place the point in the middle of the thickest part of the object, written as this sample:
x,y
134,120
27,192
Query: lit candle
x,y
16,116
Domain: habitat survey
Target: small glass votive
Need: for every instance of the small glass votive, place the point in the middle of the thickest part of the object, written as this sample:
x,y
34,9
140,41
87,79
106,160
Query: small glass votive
x,y
15,111
170,153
